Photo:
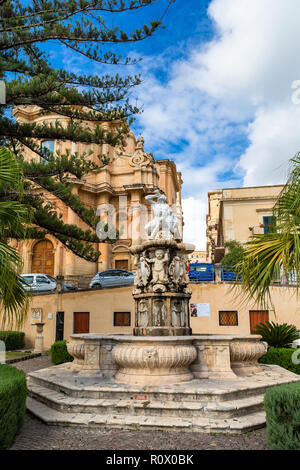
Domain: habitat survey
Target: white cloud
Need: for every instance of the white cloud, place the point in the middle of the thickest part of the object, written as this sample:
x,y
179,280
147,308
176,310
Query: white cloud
x,y
239,83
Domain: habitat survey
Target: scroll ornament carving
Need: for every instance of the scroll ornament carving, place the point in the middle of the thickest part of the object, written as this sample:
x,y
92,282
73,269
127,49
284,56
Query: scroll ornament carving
x,y
140,158
77,350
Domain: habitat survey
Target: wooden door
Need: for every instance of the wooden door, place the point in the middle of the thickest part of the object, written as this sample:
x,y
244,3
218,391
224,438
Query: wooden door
x,y
258,316
81,322
121,264
43,258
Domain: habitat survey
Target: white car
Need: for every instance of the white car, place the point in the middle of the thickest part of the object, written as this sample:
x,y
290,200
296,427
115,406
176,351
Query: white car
x,y
111,278
39,282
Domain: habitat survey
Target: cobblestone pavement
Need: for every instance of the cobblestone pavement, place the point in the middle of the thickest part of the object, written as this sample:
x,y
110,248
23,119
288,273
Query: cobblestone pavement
x,y
41,362
37,435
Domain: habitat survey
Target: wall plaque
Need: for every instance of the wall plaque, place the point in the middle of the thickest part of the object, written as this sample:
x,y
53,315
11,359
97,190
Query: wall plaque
x,y
36,315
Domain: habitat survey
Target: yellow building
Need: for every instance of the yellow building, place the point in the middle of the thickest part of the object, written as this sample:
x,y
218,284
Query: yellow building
x,y
119,187
237,214
198,256
111,311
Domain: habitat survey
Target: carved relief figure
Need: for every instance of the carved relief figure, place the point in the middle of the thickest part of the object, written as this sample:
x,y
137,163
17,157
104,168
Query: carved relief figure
x,y
150,357
159,268
143,313
179,270
159,313
176,313
175,270
143,271
185,267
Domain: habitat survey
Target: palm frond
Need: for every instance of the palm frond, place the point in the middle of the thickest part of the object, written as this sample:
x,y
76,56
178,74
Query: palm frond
x,y
14,299
270,256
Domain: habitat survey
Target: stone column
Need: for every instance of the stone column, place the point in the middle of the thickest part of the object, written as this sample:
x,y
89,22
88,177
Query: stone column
x,y
104,261
218,272
39,339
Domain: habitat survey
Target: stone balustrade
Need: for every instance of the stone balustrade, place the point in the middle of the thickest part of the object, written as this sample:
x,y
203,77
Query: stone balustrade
x,y
169,360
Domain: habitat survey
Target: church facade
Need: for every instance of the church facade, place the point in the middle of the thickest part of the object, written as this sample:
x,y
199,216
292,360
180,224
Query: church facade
x,y
116,193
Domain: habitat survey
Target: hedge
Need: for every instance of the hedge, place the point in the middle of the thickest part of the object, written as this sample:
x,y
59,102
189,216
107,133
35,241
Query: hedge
x,y
281,357
282,405
12,403
13,339
59,352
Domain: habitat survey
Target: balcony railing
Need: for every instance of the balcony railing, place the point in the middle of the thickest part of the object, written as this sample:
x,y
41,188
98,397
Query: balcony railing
x,y
260,230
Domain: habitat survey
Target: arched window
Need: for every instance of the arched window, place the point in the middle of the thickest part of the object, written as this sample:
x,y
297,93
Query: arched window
x,y
43,258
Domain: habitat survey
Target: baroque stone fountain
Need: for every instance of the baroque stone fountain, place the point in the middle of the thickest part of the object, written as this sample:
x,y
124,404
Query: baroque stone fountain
x,y
160,349
162,376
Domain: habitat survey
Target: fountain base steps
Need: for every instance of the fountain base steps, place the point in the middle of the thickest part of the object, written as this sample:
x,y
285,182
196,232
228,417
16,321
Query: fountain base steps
x,y
59,396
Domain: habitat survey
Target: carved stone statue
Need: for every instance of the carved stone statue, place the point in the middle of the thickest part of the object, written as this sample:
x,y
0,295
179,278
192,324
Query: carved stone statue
x,y
159,268
176,313
186,264
178,270
143,319
164,225
143,271
159,312
175,270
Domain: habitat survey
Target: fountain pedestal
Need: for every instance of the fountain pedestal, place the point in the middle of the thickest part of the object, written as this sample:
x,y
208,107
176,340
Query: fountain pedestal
x,y
161,291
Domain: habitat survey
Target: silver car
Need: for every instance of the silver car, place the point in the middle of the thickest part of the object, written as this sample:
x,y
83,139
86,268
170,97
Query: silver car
x,y
39,282
112,277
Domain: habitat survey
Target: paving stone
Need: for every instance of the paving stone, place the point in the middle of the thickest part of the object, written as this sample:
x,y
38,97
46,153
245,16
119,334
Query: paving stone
x,y
158,431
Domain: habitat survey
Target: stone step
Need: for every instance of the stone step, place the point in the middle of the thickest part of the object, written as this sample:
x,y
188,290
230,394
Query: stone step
x,y
177,393
130,407
194,424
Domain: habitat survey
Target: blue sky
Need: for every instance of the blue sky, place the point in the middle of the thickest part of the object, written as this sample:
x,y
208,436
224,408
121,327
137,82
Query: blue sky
x,y
216,94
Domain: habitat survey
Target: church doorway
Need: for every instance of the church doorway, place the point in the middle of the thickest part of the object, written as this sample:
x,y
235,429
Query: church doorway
x,y
121,264
43,258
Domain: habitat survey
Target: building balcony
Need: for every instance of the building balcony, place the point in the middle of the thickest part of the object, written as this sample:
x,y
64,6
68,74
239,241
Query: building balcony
x,y
259,230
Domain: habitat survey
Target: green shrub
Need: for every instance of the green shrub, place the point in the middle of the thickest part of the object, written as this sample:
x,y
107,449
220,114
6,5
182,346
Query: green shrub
x,y
59,353
282,405
12,403
13,339
281,357
234,254
279,336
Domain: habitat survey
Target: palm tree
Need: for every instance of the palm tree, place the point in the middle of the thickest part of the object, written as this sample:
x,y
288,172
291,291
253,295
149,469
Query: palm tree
x,y
14,217
276,253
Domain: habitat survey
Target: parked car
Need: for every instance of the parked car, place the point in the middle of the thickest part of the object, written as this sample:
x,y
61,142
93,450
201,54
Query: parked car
x,y
202,272
112,277
39,282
